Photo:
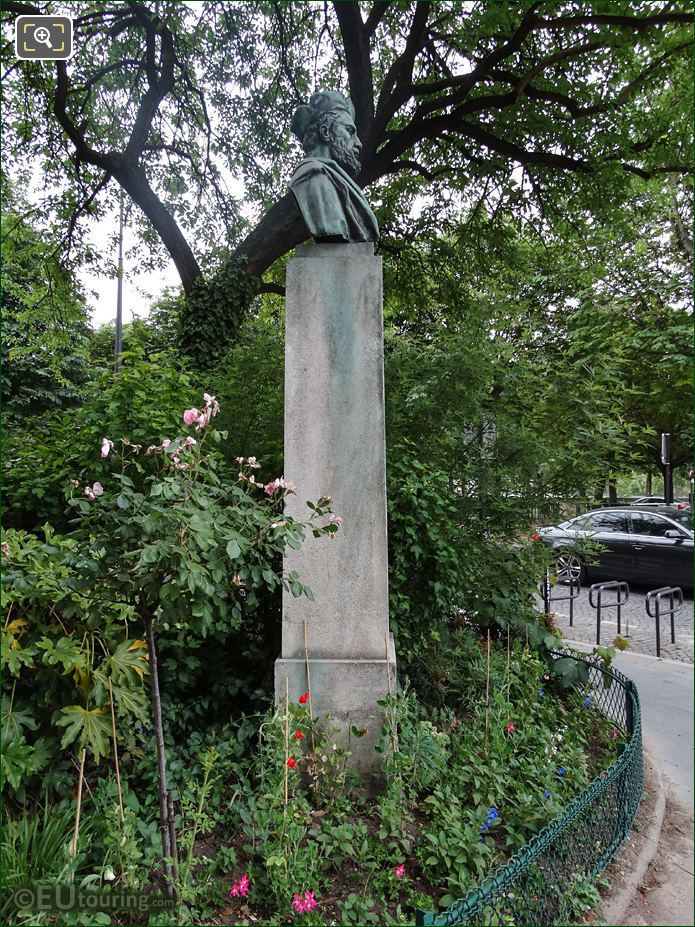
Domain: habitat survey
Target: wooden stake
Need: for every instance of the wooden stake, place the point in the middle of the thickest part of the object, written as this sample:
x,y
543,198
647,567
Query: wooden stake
x,y
115,753
80,780
161,755
308,686
509,670
172,836
287,735
487,687
388,668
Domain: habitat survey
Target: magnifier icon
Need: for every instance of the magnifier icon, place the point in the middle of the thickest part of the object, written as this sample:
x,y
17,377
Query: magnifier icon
x,y
43,35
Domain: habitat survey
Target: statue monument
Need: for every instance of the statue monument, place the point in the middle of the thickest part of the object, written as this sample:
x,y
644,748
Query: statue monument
x,y
331,203
338,645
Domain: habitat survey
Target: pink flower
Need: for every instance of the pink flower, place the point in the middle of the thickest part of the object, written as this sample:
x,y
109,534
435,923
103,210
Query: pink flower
x,y
303,903
166,442
272,488
399,871
5,548
613,734
253,463
335,520
211,404
189,442
91,492
453,724
277,524
106,446
190,416
240,460
510,728
240,888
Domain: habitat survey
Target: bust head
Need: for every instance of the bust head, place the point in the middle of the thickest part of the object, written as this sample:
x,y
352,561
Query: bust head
x,y
326,129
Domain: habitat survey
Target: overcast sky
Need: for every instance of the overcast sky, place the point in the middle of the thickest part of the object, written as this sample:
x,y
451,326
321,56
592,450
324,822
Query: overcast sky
x,y
140,288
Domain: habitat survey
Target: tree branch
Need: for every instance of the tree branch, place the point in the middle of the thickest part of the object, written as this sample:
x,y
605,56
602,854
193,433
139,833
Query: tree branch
x,y
358,63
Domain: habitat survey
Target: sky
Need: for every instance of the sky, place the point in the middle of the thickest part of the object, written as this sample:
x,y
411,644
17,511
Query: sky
x,y
140,287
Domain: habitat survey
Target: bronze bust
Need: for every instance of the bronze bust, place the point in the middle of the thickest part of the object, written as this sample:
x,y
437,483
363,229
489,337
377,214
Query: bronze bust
x,y
331,203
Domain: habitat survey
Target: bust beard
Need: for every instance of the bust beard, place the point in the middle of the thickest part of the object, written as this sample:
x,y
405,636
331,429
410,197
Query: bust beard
x,y
344,156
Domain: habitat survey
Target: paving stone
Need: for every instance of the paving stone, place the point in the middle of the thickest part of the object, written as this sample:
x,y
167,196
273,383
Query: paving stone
x,y
636,625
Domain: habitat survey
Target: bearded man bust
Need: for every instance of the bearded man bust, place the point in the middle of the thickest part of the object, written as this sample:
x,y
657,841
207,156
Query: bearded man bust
x,y
331,203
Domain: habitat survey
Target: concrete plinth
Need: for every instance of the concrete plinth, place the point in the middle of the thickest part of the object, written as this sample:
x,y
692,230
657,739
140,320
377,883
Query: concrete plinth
x,y
335,446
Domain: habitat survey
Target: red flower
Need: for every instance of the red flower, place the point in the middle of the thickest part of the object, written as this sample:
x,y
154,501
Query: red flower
x,y
291,762
298,735
536,537
510,728
303,699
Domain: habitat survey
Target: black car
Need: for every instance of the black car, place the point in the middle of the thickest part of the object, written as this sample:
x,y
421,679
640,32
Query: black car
x,y
643,544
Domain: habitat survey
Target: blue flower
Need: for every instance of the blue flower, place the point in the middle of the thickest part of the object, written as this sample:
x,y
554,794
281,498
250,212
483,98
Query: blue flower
x,y
484,828
587,701
546,794
492,814
561,770
541,693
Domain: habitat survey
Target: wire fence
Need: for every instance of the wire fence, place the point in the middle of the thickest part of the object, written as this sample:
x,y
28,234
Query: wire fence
x,y
536,884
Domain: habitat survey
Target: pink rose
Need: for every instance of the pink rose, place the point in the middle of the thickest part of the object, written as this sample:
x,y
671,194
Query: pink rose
x,y
190,416
106,446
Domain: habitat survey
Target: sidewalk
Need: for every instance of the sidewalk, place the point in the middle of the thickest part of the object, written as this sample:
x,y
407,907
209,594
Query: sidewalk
x,y
652,876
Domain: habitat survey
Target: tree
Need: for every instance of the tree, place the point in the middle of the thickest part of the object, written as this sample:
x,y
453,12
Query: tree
x,y
491,104
44,322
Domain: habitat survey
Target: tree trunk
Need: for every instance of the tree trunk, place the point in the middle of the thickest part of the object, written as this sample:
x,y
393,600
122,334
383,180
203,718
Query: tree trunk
x,y
134,181
612,493
280,229
648,485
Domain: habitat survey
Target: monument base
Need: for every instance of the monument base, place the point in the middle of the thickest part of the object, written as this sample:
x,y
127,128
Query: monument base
x,y
345,693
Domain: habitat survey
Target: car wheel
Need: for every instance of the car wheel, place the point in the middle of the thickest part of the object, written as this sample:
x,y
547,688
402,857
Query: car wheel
x,y
569,567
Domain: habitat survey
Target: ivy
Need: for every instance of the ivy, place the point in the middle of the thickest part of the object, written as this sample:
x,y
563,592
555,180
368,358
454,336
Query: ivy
x,y
211,314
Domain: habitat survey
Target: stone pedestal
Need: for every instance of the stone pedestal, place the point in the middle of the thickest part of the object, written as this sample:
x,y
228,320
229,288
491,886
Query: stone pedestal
x,y
335,446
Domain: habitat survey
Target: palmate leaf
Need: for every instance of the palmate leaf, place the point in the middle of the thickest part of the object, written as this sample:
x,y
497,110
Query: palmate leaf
x,y
16,762
93,727
132,702
14,720
128,664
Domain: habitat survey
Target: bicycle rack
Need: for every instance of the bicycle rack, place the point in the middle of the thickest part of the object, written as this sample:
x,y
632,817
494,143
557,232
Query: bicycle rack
x,y
621,589
655,597
575,587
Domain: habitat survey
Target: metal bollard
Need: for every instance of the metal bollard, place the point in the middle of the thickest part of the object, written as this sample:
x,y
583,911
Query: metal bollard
x,y
654,599
622,591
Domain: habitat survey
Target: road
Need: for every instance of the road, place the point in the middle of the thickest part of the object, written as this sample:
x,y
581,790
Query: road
x,y
636,626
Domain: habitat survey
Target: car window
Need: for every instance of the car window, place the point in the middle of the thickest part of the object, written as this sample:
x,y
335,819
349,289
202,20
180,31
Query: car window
x,y
684,517
653,525
606,522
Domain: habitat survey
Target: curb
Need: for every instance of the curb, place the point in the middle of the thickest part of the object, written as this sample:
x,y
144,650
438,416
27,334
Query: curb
x,y
616,907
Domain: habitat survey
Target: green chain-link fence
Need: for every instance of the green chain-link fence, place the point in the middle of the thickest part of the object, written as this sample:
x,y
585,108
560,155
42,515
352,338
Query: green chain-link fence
x,y
533,887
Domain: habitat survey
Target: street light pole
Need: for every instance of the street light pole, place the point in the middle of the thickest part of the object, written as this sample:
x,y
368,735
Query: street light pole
x,y
119,293
666,462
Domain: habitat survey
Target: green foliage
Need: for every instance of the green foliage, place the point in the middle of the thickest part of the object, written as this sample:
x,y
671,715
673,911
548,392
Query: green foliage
x,y
44,323
34,850
221,301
